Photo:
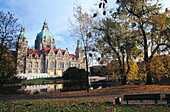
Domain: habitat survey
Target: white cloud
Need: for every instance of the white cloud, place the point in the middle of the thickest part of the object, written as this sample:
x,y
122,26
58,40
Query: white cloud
x,y
59,38
33,13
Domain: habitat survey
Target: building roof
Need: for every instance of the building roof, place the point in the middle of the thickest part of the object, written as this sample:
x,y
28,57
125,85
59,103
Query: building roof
x,y
47,50
78,44
45,33
73,56
22,33
63,51
55,50
33,52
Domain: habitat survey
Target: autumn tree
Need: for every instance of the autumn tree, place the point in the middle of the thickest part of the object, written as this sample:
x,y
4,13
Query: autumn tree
x,y
159,68
151,27
115,40
134,72
8,41
80,29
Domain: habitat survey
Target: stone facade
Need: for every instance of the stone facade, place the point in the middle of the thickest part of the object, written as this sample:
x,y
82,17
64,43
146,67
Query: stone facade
x,y
45,58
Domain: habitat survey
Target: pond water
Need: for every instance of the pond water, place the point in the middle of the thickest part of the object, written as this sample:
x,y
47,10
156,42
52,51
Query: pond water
x,y
53,88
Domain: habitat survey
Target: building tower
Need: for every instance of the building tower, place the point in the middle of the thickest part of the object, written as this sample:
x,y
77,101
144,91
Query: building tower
x,y
21,51
79,51
44,38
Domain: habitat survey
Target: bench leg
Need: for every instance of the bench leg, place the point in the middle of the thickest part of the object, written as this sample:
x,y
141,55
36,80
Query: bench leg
x,y
127,101
168,101
156,102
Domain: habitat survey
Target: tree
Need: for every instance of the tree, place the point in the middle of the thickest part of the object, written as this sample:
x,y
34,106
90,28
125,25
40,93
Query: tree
x,y
115,40
159,67
8,41
73,73
133,73
151,27
80,30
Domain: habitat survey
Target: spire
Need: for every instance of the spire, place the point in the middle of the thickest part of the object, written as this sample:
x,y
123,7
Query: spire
x,y
22,29
22,33
45,20
78,44
45,26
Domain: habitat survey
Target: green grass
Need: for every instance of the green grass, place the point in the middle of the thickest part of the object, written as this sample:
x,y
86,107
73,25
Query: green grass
x,y
39,80
75,105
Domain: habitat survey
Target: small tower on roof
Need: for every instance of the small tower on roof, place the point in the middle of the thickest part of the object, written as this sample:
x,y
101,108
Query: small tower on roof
x,y
22,33
45,38
45,26
21,51
79,51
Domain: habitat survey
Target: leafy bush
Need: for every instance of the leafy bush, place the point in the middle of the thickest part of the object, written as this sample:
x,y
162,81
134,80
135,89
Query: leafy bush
x,y
74,73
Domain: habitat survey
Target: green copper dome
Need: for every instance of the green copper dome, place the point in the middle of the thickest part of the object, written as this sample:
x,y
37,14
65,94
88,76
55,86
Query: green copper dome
x,y
45,33
22,33
78,44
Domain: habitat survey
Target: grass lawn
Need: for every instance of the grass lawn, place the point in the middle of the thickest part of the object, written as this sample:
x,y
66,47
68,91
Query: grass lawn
x,y
40,80
145,89
74,105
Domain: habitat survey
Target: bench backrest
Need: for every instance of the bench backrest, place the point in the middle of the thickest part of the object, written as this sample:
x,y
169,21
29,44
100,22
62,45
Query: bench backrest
x,y
167,96
142,97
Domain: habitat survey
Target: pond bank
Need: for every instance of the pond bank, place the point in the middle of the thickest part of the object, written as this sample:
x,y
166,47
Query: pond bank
x,y
109,93
42,81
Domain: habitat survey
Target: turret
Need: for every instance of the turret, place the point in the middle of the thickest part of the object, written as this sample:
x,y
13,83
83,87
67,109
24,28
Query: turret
x,y
45,26
45,37
79,51
21,51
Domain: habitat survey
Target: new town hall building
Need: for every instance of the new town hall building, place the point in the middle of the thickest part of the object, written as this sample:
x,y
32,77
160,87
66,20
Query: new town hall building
x,y
45,57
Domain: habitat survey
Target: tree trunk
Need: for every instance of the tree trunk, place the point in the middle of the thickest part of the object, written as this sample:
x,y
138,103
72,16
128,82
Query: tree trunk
x,y
124,82
149,79
87,75
146,57
123,71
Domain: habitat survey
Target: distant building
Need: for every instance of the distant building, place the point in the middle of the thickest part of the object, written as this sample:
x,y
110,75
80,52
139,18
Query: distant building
x,y
45,57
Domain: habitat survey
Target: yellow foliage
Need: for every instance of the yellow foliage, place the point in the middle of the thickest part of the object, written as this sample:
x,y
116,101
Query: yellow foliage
x,y
159,67
133,73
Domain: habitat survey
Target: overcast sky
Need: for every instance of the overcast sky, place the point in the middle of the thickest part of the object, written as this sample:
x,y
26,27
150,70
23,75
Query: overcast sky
x,y
32,14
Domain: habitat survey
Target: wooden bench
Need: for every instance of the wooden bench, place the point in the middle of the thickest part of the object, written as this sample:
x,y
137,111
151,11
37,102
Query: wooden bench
x,y
167,97
141,97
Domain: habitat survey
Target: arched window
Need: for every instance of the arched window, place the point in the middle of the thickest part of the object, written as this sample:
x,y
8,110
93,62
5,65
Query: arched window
x,y
52,64
66,65
36,65
41,71
30,65
59,65
22,68
29,71
41,65
36,71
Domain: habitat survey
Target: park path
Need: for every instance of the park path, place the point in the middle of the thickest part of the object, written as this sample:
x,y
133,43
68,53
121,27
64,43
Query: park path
x,y
107,96
55,97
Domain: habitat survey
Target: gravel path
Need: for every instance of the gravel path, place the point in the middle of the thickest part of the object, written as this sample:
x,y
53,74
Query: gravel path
x,y
54,97
27,97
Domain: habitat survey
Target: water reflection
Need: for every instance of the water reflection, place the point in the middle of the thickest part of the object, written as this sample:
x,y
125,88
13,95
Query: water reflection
x,y
40,89
101,84
64,87
54,88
